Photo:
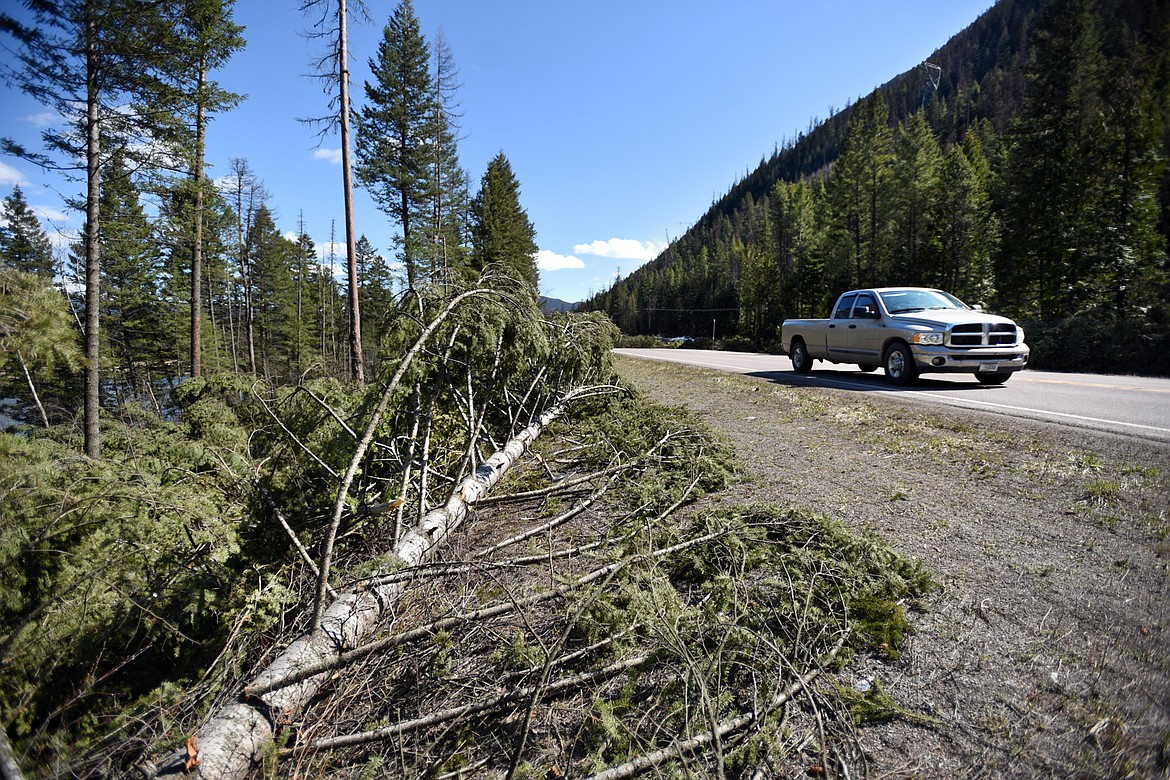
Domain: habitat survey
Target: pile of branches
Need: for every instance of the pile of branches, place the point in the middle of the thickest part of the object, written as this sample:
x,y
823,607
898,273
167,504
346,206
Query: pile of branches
x,y
590,622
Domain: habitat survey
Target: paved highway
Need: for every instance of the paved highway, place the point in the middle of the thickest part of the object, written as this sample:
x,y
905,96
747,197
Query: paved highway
x,y
1129,406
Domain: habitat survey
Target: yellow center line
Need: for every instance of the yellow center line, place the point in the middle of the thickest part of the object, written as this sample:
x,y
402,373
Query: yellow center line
x,y
1026,378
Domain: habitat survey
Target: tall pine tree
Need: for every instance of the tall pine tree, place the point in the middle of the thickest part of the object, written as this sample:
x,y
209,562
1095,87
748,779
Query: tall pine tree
x,y
501,232
394,132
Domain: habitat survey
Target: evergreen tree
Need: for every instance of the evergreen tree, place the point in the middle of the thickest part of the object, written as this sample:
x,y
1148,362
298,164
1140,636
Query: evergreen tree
x,y
447,218
377,286
217,284
802,286
501,233
246,194
861,194
304,324
23,244
967,229
760,305
1132,268
272,258
916,170
213,37
394,132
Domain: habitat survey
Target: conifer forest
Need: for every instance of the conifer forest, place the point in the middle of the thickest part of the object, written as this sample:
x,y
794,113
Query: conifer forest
x,y
233,468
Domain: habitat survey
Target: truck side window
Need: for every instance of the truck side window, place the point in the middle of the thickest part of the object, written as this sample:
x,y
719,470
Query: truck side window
x,y
866,307
843,307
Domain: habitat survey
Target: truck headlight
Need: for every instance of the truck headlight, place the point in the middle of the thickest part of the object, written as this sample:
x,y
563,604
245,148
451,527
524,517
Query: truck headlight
x,y
928,338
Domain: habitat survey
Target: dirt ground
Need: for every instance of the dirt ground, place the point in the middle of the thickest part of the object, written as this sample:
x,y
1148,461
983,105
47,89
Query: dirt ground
x,y
1046,650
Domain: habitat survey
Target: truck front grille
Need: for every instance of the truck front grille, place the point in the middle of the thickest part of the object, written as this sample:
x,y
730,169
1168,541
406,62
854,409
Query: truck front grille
x,y
982,334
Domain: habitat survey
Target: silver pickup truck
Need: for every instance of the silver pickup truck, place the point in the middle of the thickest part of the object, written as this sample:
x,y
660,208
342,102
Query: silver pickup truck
x,y
908,331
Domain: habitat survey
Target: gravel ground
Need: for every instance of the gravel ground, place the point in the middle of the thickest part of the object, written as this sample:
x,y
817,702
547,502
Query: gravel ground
x,y
1046,650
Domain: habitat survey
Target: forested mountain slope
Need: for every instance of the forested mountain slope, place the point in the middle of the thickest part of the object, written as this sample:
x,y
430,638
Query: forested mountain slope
x,y
1022,166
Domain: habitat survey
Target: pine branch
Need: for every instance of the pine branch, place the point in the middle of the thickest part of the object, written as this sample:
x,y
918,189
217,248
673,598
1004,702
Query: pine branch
x,y
685,748
475,708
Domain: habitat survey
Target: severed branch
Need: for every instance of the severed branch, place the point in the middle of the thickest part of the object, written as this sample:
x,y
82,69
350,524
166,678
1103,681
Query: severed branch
x,y
332,413
292,436
304,672
292,535
556,487
474,708
684,748
581,507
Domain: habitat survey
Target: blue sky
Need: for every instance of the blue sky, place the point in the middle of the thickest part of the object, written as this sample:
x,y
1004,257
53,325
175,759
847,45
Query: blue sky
x,y
623,119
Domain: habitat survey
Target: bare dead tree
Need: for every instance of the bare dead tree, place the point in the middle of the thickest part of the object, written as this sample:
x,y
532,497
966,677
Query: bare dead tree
x,y
333,69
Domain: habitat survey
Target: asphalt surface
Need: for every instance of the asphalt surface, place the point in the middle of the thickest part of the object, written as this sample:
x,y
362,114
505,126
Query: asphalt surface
x,y
1136,407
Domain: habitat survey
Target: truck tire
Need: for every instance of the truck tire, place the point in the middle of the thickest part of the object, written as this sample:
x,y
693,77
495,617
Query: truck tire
x,y
801,361
899,365
994,379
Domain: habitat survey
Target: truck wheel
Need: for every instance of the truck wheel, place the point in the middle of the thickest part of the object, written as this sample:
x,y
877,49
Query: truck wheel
x,y
994,379
801,361
899,365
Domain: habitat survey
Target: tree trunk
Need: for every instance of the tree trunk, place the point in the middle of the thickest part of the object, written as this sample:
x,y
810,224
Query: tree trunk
x,y
9,769
230,744
357,361
197,249
93,252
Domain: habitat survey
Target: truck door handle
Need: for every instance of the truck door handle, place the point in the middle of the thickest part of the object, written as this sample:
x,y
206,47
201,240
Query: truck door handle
x,y
852,326
832,326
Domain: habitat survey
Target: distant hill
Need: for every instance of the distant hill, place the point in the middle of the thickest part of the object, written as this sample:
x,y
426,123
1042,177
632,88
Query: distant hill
x,y
551,305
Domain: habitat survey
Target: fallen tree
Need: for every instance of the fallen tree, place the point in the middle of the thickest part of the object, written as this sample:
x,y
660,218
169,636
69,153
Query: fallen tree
x,y
231,742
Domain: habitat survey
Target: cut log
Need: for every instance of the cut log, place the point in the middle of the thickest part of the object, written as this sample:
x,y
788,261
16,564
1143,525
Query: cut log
x,y
9,769
232,740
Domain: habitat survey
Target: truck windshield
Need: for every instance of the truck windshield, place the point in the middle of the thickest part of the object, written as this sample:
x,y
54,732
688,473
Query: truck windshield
x,y
902,301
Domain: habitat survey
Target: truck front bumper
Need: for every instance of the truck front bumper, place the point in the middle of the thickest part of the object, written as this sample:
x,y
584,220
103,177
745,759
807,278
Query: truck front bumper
x,y
992,360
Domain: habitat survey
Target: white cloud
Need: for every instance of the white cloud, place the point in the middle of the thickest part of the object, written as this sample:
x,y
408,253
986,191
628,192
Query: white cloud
x,y
547,260
621,249
336,248
329,155
43,119
10,176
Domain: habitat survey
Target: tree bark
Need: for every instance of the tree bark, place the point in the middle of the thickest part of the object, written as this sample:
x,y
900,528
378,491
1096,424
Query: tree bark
x,y
93,251
357,360
230,743
9,769
197,240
